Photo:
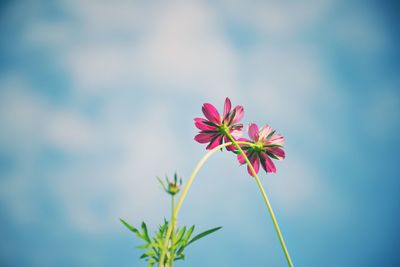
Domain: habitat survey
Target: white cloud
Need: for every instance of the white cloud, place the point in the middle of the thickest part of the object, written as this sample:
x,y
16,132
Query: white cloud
x,y
112,162
186,50
164,47
178,48
125,186
296,186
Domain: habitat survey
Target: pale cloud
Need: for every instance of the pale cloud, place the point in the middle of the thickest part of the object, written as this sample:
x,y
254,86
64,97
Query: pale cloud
x,y
126,186
185,50
298,187
181,50
112,167
175,48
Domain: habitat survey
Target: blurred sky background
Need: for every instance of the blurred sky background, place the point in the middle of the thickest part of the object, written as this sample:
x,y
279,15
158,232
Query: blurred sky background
x,y
98,97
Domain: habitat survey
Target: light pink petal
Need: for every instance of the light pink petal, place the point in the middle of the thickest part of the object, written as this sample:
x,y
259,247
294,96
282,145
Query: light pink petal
x,y
253,131
199,122
237,133
277,139
267,164
256,164
239,113
265,131
204,137
215,143
277,151
211,113
227,106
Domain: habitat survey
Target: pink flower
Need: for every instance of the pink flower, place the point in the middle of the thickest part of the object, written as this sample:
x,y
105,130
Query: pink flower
x,y
265,144
214,128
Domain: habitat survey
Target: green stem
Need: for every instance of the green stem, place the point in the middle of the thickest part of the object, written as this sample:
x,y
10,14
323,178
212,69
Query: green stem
x,y
184,193
264,195
173,218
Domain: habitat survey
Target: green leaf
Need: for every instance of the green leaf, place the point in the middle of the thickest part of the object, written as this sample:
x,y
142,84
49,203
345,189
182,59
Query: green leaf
x,y
203,234
144,255
180,257
162,183
151,261
180,250
180,234
188,234
133,229
145,233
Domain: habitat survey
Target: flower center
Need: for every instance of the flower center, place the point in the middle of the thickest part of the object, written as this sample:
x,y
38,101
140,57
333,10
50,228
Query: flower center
x,y
258,146
224,129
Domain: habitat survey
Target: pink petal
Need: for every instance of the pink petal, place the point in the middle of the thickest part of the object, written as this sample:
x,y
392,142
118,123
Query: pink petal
x,y
255,162
199,122
215,143
239,113
253,131
211,113
265,131
204,137
277,139
227,106
267,164
277,151
231,147
241,159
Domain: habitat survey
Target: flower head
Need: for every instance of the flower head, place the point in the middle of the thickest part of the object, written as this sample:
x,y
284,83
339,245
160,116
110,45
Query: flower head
x,y
215,128
265,144
171,187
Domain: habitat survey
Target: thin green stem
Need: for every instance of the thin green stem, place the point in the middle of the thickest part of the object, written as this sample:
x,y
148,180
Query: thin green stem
x,y
264,195
173,219
184,193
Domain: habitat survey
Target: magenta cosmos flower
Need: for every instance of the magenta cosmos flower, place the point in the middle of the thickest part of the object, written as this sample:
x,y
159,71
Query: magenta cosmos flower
x,y
265,144
214,128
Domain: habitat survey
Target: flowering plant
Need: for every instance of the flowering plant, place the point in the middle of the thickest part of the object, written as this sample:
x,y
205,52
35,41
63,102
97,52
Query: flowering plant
x,y
218,132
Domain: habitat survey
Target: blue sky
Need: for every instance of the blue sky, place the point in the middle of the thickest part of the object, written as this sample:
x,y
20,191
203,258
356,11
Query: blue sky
x,y
97,98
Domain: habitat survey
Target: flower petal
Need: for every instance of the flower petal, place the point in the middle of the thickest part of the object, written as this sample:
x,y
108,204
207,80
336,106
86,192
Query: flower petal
x,y
277,139
267,163
255,162
236,133
211,113
239,113
227,107
265,131
199,122
241,159
204,137
277,151
253,131
214,143
231,147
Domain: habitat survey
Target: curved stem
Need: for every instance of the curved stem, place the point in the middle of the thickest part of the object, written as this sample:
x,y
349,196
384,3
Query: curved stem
x,y
184,193
264,195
